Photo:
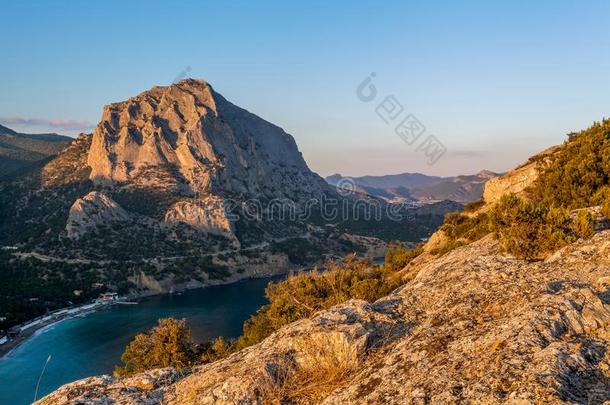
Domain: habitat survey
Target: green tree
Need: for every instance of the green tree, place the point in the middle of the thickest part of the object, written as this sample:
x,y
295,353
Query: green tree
x,y
166,345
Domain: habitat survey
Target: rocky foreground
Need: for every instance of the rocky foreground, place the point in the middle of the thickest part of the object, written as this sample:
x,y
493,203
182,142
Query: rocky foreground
x,y
472,326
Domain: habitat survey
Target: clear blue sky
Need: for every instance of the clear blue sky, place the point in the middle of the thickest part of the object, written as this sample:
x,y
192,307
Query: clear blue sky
x,y
494,81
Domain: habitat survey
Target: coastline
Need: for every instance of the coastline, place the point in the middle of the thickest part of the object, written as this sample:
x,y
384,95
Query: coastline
x,y
14,343
24,336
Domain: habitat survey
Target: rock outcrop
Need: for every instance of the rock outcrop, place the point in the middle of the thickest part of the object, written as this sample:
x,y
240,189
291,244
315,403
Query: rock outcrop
x,y
473,326
91,211
518,179
209,214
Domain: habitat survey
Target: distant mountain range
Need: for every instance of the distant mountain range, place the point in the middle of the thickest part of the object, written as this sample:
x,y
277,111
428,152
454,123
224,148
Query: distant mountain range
x,y
417,187
18,151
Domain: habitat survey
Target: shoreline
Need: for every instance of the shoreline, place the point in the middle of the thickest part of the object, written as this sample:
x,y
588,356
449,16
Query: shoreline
x,y
7,348
14,343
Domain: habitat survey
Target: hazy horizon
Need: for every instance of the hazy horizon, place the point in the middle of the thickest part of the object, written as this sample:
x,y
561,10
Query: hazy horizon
x,y
495,83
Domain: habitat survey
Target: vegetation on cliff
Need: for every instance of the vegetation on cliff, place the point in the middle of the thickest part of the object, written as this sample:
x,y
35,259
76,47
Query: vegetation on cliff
x,y
541,221
167,345
525,228
301,295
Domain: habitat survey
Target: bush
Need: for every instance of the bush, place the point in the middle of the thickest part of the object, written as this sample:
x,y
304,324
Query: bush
x,y
215,350
530,230
525,228
397,257
300,296
474,205
328,367
578,172
167,345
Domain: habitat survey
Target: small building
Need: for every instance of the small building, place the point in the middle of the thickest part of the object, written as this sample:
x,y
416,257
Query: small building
x,y
77,293
109,297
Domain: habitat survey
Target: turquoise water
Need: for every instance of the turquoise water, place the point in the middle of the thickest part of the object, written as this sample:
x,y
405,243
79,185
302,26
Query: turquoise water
x,y
81,347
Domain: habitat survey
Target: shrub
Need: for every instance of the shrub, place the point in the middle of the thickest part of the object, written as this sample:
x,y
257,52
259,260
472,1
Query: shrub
x,y
300,296
461,229
474,205
525,228
578,171
167,345
215,350
397,257
530,230
326,367
584,224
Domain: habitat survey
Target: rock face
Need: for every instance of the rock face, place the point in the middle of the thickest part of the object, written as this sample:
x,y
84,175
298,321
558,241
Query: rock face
x,y
93,210
209,214
513,182
189,138
517,180
473,326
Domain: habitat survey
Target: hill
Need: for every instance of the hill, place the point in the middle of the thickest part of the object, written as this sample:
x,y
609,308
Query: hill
x,y
19,151
417,187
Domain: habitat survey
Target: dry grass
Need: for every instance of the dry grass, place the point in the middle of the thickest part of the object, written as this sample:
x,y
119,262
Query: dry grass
x,y
316,368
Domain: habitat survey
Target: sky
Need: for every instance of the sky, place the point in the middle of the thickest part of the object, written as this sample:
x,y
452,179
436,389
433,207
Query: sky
x,y
492,82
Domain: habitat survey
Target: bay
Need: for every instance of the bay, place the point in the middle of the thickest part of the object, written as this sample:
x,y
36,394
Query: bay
x,y
93,344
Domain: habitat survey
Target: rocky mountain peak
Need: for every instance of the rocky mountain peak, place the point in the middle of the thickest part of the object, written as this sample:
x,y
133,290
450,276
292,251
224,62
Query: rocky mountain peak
x,y
487,174
188,138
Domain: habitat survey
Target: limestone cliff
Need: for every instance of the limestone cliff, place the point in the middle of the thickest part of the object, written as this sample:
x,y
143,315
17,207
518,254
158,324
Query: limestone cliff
x,y
518,179
91,211
208,214
189,138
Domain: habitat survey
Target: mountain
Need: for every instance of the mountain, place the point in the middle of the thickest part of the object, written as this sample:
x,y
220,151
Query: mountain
x,y
417,187
191,139
507,303
178,188
19,151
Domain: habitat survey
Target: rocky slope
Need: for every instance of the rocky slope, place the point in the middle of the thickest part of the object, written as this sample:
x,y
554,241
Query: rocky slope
x,y
473,326
92,210
517,180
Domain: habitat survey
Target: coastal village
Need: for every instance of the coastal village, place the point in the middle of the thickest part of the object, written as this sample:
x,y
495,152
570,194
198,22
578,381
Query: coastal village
x,y
12,337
